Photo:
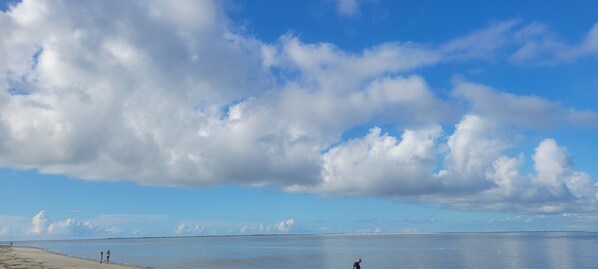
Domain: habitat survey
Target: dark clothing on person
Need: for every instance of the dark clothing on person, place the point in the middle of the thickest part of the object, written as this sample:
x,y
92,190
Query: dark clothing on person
x,y
356,266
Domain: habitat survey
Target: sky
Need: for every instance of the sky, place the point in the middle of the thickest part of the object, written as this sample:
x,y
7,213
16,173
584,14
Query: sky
x,y
225,117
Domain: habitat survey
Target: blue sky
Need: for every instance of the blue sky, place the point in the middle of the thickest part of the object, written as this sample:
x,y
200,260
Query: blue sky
x,y
165,118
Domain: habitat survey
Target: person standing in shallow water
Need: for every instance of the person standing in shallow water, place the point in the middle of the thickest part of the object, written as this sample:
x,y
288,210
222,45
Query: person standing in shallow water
x,y
101,256
108,256
356,264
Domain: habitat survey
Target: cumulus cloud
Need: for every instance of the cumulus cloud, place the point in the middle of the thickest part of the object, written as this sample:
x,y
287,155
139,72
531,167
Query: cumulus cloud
x,y
173,103
501,181
285,226
41,225
380,164
186,229
72,226
474,145
172,94
468,170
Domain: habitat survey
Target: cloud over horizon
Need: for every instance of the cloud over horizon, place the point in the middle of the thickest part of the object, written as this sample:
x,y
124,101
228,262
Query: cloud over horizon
x,y
173,94
284,226
42,226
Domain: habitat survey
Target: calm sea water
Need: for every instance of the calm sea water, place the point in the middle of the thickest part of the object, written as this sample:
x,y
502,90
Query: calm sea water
x,y
430,251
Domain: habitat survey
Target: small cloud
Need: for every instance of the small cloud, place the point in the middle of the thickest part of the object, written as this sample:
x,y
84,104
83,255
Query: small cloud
x,y
185,229
285,226
114,230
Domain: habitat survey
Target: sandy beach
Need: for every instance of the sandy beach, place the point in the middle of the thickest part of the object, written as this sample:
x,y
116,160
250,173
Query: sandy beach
x,y
34,258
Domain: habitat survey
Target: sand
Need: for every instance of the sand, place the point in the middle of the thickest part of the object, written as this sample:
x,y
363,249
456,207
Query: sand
x,y
35,258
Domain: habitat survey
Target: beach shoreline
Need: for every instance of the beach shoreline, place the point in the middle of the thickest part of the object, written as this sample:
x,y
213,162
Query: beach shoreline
x,y
34,258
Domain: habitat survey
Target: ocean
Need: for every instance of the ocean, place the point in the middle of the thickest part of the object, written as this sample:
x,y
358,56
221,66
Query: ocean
x,y
378,251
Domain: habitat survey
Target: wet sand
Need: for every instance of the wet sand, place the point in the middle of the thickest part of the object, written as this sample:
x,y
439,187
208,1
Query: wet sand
x,y
35,258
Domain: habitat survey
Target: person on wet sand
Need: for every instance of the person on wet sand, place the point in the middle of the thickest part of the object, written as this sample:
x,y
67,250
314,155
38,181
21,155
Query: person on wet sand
x,y
108,256
356,264
101,256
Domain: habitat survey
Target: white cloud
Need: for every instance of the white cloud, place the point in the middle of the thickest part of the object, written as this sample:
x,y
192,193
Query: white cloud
x,y
74,227
554,187
554,171
475,172
42,226
524,111
188,229
551,163
39,223
334,69
476,143
285,226
481,44
538,45
170,94
379,164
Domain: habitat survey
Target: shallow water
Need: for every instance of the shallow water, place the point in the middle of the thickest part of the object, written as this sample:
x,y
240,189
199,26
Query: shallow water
x,y
430,251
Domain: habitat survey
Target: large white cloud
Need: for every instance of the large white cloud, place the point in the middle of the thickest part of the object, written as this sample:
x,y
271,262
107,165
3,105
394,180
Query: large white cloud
x,y
145,95
173,94
473,170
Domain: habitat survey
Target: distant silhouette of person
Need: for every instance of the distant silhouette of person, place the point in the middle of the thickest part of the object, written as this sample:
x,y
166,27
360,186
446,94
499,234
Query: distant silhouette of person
x,y
101,256
356,264
10,243
108,256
